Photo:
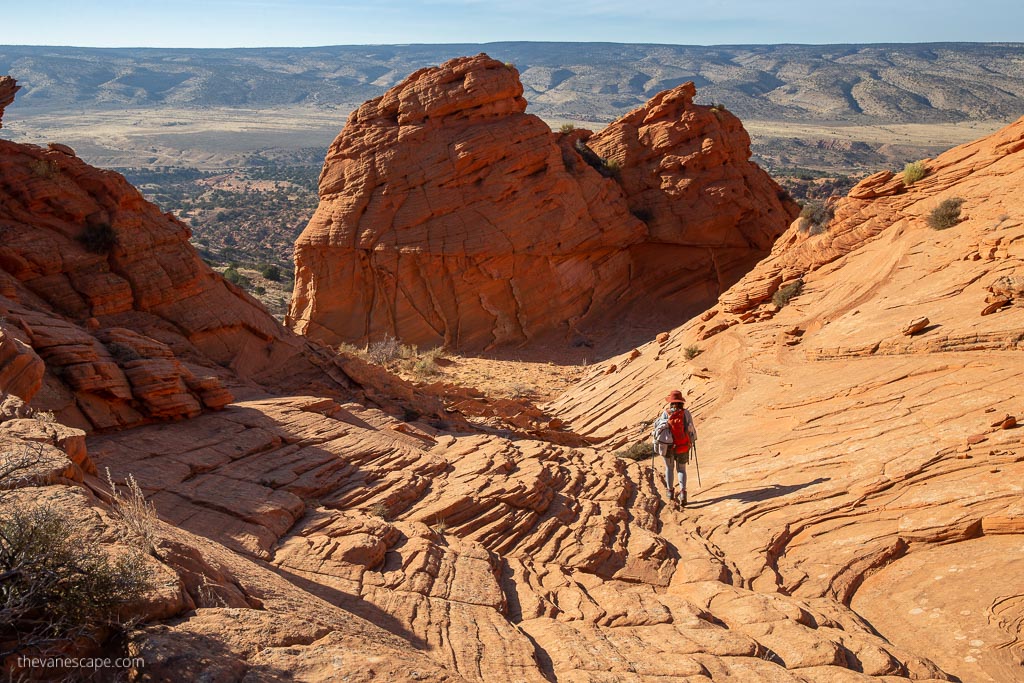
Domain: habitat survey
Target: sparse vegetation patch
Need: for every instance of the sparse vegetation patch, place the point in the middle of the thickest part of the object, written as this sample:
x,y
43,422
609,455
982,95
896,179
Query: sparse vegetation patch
x,y
638,451
384,351
784,295
946,214
816,217
913,172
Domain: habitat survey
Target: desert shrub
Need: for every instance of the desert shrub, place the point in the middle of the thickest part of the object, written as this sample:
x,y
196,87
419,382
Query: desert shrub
x,y
612,167
98,238
817,216
520,390
232,275
914,172
378,509
946,214
271,272
134,514
785,294
56,584
122,353
348,349
638,451
384,351
425,367
567,128
44,416
691,352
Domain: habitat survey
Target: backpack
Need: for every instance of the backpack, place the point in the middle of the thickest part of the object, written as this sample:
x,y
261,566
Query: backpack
x,y
662,433
677,424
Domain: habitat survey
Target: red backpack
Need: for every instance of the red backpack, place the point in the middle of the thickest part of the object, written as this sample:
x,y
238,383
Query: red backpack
x,y
680,436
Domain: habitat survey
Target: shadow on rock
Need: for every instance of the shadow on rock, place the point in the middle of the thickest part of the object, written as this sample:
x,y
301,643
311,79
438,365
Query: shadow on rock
x,y
757,495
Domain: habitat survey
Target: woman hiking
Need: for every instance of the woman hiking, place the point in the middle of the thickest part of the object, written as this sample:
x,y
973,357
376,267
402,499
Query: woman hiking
x,y
674,433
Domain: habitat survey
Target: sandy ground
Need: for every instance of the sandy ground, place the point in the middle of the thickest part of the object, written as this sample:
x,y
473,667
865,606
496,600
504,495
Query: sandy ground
x,y
911,134
219,137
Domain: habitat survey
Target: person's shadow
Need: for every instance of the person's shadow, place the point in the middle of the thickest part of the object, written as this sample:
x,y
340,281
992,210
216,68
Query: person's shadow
x,y
757,495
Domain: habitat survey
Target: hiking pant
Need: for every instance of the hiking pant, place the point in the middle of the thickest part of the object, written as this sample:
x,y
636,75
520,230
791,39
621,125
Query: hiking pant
x,y
670,467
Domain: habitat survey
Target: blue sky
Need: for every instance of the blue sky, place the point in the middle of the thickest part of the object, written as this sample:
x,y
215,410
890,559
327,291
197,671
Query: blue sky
x,y
257,23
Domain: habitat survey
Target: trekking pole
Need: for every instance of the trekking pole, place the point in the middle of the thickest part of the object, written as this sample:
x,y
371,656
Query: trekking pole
x,y
696,462
654,486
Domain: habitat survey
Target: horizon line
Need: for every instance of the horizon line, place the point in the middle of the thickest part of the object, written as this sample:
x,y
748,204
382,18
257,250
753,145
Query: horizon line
x,y
994,43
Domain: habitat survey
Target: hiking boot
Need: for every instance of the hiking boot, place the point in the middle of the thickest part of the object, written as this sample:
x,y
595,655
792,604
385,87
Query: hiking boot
x,y
682,498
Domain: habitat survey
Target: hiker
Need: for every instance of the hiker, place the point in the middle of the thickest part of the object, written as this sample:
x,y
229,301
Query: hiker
x,y
674,434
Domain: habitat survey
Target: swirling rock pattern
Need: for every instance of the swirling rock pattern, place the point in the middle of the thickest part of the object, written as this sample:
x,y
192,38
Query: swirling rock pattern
x,y
842,459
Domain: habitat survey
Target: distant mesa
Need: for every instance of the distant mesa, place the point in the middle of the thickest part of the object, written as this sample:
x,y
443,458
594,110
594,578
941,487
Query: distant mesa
x,y
450,216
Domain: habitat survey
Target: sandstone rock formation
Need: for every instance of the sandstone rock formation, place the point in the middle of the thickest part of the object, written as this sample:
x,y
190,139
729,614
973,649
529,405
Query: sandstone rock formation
x,y
842,459
314,536
8,87
107,315
450,216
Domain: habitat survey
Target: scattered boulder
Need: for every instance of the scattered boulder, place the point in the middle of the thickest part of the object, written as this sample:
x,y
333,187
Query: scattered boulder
x,y
998,302
915,326
1008,422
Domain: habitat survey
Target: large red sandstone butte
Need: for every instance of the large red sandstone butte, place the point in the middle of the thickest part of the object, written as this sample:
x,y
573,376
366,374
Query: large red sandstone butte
x,y
450,216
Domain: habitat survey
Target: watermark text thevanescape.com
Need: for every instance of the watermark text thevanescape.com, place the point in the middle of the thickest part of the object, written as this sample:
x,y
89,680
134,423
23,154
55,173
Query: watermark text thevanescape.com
x,y
25,662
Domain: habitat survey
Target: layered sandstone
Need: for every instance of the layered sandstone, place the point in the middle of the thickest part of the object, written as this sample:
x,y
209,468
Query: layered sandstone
x,y
313,536
450,216
8,87
108,317
841,457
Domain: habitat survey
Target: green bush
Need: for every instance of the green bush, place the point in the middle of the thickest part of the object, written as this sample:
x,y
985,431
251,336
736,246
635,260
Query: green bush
x,y
271,272
946,214
232,275
785,294
691,352
914,172
612,168
99,238
567,128
56,584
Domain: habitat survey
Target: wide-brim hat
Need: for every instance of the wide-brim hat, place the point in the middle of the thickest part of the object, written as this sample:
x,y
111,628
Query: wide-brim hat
x,y
675,397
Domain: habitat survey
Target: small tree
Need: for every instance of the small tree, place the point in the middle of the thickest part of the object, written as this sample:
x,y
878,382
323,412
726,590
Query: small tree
x,y
271,272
